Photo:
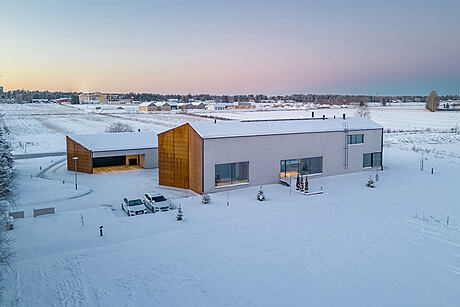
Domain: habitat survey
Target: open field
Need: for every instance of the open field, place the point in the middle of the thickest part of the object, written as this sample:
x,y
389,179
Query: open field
x,y
388,246
395,118
36,128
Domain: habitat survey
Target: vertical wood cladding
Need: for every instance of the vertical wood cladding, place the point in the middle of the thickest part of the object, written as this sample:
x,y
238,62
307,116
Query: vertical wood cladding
x,y
84,162
195,161
179,158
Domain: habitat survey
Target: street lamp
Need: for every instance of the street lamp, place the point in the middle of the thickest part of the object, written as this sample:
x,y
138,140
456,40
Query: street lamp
x,y
75,169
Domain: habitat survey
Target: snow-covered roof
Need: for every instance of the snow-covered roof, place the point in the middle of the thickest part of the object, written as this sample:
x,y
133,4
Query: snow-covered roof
x,y
116,141
271,127
147,104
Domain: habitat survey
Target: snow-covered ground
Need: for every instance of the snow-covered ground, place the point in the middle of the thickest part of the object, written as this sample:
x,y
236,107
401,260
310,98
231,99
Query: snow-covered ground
x,y
38,128
394,118
351,246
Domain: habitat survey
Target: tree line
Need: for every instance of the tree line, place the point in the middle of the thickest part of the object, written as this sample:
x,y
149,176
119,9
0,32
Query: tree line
x,y
27,96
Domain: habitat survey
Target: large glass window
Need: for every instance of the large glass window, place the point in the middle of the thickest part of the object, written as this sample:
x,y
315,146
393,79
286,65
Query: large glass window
x,y
231,173
290,168
355,138
367,160
372,159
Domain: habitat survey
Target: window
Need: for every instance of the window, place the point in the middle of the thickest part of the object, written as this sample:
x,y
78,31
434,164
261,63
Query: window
x,y
231,173
290,168
372,159
355,138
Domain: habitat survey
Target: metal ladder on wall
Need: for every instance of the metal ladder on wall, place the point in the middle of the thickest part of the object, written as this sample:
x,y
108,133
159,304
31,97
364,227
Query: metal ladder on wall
x,y
345,129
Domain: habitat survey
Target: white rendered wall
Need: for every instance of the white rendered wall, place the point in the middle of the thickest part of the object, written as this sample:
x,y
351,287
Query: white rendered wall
x,y
264,154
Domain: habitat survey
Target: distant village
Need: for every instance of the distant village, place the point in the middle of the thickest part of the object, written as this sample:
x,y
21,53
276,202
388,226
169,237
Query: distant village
x,y
158,102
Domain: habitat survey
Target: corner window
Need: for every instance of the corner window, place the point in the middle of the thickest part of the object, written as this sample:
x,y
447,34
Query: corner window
x,y
355,138
231,173
372,159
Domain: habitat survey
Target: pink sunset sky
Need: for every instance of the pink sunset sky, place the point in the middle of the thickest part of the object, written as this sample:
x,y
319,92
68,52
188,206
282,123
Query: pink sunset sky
x,y
236,47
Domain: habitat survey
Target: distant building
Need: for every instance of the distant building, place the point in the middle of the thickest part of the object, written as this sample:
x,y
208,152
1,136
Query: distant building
x,y
198,105
243,105
219,106
92,98
147,106
185,106
113,97
63,100
155,106
1,89
163,106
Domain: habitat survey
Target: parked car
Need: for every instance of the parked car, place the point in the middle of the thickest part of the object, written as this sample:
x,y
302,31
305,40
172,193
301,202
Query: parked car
x,y
157,202
133,206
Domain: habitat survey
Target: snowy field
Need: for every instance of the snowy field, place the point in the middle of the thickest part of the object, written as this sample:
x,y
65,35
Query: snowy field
x,y
39,128
351,246
395,118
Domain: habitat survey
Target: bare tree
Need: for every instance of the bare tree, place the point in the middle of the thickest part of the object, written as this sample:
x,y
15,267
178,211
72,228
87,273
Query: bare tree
x,y
363,111
119,127
432,101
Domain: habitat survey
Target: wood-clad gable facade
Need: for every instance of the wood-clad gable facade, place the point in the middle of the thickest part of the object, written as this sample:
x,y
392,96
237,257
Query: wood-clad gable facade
x,y
180,158
84,162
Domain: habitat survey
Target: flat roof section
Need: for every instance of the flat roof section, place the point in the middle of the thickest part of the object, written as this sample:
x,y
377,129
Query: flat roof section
x,y
227,129
116,141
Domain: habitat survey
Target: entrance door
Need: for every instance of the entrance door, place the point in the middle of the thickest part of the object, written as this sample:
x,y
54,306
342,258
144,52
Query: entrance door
x,y
132,161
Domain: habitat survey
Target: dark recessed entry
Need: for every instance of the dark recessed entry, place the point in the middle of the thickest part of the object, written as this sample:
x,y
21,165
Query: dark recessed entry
x,y
132,161
109,161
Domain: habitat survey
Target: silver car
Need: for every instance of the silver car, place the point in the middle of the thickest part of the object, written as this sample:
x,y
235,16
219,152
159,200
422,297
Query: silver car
x,y
157,202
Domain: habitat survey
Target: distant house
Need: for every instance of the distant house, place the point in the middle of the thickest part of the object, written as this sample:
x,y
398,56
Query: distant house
x,y
218,106
163,106
92,98
198,105
147,106
243,105
185,106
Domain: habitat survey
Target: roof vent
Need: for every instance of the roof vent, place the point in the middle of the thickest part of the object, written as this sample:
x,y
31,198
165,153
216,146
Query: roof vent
x,y
324,116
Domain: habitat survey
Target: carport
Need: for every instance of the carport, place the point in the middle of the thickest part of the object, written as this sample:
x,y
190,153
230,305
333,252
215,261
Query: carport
x,y
106,152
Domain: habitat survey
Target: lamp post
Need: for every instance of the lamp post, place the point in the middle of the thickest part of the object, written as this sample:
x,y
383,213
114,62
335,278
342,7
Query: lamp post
x,y
75,169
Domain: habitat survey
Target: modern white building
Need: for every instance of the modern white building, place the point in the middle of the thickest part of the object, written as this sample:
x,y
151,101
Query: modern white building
x,y
208,157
